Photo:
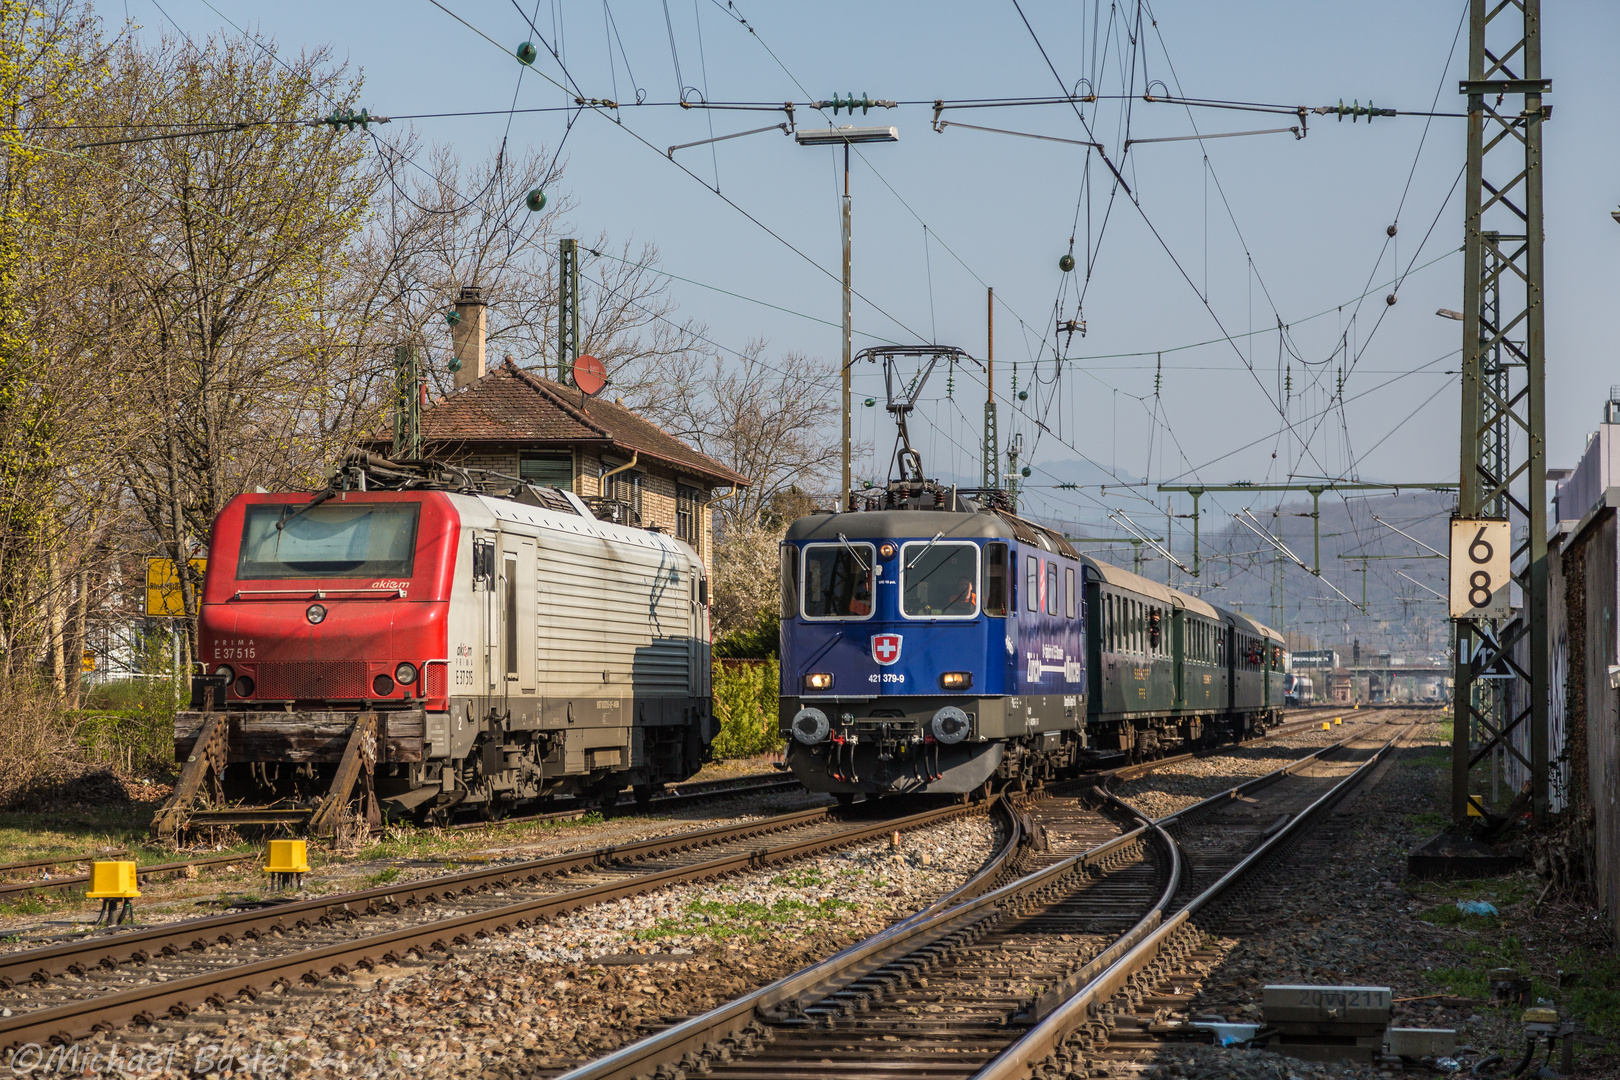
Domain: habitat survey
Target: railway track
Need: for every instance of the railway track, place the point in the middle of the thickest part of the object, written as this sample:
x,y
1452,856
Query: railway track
x,y
675,795
71,990
1034,973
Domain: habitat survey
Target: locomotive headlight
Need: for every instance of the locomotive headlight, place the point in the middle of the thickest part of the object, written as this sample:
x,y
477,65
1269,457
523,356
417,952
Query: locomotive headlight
x,y
950,725
405,674
226,672
315,613
243,687
887,551
820,680
810,726
382,686
956,680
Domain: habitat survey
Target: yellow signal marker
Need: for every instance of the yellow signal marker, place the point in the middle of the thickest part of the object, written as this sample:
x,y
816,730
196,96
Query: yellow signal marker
x,y
287,862
110,882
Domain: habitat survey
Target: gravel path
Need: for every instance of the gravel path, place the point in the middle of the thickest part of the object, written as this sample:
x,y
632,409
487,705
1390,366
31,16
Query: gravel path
x,y
587,983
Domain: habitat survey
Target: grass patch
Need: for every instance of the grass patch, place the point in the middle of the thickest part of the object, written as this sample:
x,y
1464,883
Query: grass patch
x,y
72,834
747,920
1451,915
383,877
1595,995
1428,821
25,905
811,878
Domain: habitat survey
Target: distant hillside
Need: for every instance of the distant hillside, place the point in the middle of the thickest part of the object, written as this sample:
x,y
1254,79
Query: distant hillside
x,y
1239,569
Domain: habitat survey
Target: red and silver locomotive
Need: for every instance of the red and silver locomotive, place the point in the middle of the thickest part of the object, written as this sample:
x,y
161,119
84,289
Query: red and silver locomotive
x,y
410,637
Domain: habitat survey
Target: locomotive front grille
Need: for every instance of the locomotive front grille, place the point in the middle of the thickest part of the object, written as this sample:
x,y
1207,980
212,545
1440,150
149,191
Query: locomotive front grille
x,y
313,680
434,678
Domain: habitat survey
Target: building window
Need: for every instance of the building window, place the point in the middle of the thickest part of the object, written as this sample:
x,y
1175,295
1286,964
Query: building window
x,y
689,516
547,468
627,489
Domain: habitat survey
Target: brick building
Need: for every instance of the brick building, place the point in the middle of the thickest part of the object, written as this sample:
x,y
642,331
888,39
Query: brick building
x,y
626,467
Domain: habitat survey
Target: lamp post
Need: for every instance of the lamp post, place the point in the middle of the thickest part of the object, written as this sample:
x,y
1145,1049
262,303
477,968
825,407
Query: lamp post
x,y
846,136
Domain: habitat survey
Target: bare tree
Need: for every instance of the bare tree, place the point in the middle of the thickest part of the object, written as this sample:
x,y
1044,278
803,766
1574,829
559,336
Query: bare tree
x,y
238,231
768,422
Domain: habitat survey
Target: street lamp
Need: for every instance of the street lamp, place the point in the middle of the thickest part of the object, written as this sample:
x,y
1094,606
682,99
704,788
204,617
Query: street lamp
x,y
845,136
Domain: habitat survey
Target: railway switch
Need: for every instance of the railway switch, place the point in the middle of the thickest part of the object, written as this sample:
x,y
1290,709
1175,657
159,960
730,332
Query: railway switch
x,y
287,862
110,882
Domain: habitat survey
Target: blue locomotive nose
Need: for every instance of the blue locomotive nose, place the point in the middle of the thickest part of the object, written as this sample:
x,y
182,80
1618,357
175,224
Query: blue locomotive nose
x,y
907,662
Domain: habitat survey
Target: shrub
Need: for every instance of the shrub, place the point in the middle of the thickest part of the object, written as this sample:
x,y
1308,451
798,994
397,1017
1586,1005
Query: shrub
x,y
758,642
745,703
36,739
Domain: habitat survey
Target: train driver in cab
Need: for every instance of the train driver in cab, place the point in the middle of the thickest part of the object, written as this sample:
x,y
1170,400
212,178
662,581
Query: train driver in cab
x,y
964,600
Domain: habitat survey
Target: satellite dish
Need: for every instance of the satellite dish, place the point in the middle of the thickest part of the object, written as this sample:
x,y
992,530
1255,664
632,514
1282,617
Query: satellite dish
x,y
589,375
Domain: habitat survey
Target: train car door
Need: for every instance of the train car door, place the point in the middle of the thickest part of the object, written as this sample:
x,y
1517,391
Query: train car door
x,y
519,568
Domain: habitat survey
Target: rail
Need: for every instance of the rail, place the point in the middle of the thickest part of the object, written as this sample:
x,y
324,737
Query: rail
x,y
1061,1018
179,996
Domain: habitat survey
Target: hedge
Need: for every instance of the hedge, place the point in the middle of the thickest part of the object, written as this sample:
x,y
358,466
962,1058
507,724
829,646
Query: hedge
x,y
745,703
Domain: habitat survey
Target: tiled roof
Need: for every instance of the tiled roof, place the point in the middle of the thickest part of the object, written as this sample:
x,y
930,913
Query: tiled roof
x,y
512,406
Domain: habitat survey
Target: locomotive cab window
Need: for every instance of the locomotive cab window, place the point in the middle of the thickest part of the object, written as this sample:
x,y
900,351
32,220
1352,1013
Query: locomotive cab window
x,y
1032,584
838,581
1068,591
1051,588
790,581
995,580
939,580
333,540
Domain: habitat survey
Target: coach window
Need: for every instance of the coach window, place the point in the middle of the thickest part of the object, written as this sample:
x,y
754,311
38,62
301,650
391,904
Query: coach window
x,y
1068,591
1032,584
939,580
790,581
838,581
995,580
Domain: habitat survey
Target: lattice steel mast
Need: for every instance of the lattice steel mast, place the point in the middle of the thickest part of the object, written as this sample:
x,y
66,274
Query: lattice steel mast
x,y
1503,463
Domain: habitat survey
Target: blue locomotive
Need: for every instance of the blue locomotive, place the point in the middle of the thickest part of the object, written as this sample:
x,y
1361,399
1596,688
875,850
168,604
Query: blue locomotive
x,y
936,642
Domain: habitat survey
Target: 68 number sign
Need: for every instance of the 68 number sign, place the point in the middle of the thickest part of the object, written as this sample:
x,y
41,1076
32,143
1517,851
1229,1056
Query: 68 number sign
x,y
1480,557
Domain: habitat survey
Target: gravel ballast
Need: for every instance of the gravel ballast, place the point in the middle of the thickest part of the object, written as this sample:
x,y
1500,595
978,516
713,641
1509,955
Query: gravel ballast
x,y
587,983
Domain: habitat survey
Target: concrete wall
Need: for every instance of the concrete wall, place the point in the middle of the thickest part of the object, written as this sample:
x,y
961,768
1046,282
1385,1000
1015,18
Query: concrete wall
x,y
1589,563
1598,471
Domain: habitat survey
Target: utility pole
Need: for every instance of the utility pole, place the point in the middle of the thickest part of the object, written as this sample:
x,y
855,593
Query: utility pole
x,y
845,500
568,310
991,472
1015,448
1503,391
409,387
1315,491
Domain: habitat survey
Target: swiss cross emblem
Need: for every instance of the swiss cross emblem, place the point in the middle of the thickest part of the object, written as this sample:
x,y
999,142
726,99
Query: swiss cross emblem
x,y
885,648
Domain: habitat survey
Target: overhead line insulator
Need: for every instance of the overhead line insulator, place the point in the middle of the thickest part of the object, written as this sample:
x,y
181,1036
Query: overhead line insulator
x,y
1354,111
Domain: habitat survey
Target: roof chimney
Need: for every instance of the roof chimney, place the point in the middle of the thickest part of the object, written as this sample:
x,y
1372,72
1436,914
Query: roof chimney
x,y
467,335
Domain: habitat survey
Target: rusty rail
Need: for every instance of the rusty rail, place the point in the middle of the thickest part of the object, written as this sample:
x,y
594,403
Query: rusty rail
x,y
178,997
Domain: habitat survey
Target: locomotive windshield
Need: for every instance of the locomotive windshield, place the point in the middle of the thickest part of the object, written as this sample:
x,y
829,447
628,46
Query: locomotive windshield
x,y
939,580
331,540
838,581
